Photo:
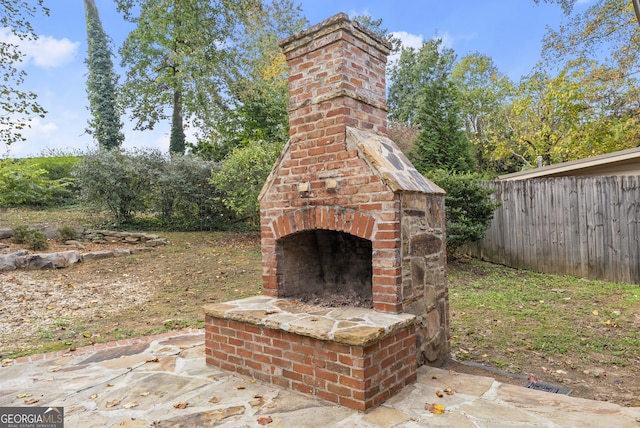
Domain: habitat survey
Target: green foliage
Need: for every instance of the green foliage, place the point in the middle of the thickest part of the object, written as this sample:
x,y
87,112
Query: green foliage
x,y
179,58
422,94
258,87
185,199
34,239
468,205
143,186
242,175
121,182
105,124
67,233
56,167
20,234
484,94
25,183
17,106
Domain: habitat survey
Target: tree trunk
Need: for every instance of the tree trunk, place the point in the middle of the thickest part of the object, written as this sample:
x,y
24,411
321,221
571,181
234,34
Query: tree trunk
x,y
177,140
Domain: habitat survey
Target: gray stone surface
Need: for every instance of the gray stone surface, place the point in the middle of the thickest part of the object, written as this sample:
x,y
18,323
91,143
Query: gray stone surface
x,y
125,386
352,326
6,233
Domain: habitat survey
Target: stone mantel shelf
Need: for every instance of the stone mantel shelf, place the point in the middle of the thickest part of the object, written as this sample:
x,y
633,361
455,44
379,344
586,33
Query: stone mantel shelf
x,y
345,325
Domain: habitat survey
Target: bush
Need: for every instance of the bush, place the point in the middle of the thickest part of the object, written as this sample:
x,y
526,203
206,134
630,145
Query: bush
x,y
242,175
67,233
185,198
119,181
20,234
26,184
34,239
57,167
468,206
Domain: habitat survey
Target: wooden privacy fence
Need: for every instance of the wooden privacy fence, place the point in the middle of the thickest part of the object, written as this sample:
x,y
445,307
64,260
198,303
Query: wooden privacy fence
x,y
583,226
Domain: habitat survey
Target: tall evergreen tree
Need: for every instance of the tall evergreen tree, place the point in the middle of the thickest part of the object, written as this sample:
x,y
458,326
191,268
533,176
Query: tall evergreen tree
x,y
422,94
105,124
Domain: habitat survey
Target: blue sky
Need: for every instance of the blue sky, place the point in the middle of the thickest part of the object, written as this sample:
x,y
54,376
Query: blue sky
x,y
509,31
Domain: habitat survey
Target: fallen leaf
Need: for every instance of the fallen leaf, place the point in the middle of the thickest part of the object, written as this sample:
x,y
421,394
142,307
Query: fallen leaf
x,y
87,335
595,312
439,394
93,396
144,394
265,421
112,403
532,379
436,409
242,387
448,391
214,400
25,395
131,405
181,405
153,360
31,401
110,384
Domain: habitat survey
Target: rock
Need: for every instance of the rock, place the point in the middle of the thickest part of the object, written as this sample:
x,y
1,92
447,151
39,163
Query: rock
x,y
97,255
156,242
59,260
4,246
8,261
121,252
74,243
51,232
141,250
6,233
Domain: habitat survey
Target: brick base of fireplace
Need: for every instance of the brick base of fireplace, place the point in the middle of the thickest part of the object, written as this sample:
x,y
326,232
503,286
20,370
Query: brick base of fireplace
x,y
354,357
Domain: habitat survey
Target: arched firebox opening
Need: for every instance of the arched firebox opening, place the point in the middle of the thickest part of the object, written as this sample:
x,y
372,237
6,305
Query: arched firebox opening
x,y
326,268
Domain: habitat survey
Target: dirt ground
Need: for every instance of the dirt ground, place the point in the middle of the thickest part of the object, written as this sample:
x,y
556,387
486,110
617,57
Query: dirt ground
x,y
147,293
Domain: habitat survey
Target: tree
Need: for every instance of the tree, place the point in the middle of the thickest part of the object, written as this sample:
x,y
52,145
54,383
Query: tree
x,y
485,93
17,106
258,90
179,56
468,207
105,124
423,94
606,32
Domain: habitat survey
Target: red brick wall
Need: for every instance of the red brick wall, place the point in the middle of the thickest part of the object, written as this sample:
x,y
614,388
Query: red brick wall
x,y
336,79
352,376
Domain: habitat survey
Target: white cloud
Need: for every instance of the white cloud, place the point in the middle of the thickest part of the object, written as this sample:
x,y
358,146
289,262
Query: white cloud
x,y
409,40
46,51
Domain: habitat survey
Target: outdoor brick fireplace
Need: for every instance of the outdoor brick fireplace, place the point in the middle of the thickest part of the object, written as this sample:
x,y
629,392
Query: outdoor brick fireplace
x,y
353,240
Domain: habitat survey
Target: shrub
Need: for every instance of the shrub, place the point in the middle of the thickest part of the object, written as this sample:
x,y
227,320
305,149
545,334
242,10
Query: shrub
x,y
67,233
20,234
37,241
242,175
185,198
468,207
121,182
27,184
56,167
34,239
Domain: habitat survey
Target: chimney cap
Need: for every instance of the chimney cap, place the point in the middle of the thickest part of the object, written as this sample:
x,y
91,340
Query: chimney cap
x,y
336,22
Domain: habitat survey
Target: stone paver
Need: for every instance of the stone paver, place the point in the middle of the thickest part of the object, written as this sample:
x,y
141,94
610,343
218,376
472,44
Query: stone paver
x,y
165,382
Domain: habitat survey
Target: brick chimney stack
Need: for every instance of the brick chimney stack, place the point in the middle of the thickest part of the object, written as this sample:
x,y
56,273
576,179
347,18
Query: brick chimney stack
x,y
336,79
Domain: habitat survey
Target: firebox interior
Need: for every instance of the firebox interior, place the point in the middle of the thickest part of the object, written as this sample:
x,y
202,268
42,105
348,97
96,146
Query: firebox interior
x,y
326,268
